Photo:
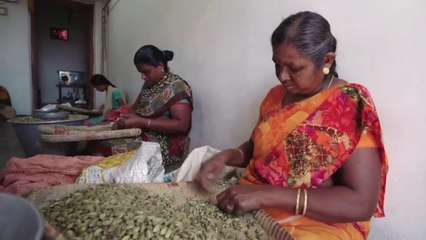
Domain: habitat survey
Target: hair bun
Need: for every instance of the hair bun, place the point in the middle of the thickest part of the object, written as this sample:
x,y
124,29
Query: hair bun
x,y
168,55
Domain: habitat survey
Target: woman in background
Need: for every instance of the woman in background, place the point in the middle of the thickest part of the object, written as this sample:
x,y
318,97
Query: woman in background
x,y
163,108
114,99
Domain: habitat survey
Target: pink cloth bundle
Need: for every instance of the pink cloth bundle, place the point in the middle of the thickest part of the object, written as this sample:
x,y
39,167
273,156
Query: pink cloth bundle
x,y
41,171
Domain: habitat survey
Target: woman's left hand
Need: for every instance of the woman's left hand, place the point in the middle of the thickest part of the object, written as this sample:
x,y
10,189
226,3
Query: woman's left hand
x,y
242,198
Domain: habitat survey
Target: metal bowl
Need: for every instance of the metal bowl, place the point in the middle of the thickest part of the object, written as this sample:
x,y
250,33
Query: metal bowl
x,y
51,115
19,219
26,128
43,110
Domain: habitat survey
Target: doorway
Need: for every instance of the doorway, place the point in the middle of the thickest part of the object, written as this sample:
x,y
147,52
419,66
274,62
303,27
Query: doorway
x,y
62,52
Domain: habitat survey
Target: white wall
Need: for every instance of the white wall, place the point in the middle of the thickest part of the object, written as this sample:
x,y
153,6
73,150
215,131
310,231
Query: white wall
x,y
15,67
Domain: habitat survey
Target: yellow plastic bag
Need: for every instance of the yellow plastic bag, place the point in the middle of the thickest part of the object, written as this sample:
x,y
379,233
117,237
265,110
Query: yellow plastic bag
x,y
101,171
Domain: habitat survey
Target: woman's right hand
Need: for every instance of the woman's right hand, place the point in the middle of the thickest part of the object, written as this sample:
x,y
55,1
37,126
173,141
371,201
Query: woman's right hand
x,y
126,121
121,122
210,170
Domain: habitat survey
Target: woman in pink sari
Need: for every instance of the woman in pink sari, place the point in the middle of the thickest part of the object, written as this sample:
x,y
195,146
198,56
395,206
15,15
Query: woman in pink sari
x,y
315,161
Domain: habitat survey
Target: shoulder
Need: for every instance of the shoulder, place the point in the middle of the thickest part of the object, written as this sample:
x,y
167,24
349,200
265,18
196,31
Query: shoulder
x,y
116,91
276,91
357,92
272,99
176,80
354,88
174,77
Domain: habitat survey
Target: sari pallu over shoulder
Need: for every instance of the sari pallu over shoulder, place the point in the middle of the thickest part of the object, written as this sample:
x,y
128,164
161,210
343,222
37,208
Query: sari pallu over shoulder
x,y
305,143
157,99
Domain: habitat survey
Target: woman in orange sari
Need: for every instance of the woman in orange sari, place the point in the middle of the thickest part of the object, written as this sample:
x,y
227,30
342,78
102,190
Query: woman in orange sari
x,y
315,161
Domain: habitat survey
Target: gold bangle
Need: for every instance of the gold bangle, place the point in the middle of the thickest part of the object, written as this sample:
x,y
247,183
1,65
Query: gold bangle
x,y
297,202
241,152
149,122
305,202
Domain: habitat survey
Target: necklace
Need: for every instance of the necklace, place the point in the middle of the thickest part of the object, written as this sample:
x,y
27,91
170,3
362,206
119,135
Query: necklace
x,y
329,85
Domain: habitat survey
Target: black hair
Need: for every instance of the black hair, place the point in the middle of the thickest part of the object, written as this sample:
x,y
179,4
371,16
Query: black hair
x,y
310,33
99,79
153,56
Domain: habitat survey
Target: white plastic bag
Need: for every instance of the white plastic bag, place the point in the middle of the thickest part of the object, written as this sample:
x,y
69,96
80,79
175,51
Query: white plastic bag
x,y
143,167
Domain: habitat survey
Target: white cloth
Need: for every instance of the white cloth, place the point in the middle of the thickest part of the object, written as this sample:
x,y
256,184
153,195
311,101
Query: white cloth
x,y
193,162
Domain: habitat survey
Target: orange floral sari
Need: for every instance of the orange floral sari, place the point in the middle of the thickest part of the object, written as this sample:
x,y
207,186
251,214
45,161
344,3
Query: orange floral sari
x,y
303,144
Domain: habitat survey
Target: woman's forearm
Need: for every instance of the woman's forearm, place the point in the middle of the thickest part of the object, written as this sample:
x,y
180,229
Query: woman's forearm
x,y
163,125
335,204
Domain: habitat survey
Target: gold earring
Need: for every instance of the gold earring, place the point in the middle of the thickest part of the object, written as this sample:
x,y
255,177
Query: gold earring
x,y
326,70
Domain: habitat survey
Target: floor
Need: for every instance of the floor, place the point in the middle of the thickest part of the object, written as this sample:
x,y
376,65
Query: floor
x,y
9,144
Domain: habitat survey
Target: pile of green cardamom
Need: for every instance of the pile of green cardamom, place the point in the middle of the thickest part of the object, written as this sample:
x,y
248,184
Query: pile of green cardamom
x,y
130,212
